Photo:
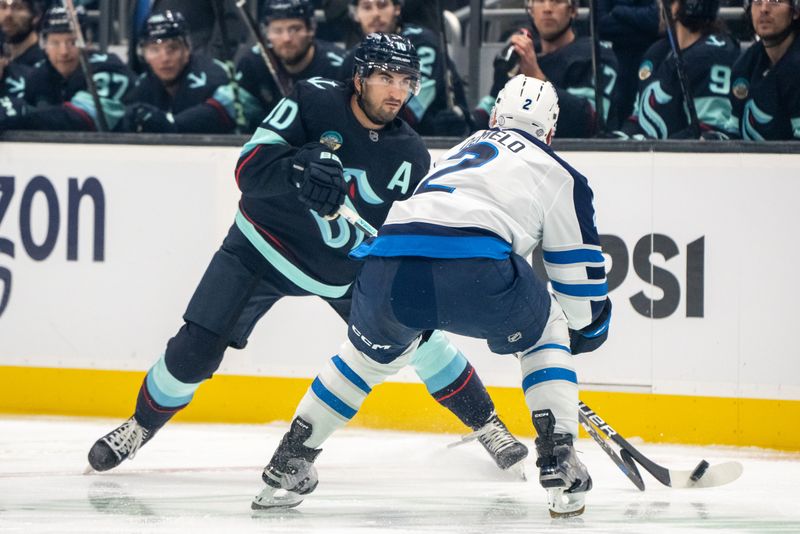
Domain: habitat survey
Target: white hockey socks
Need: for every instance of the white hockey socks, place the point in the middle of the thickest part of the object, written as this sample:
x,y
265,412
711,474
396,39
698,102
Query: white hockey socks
x,y
548,374
338,391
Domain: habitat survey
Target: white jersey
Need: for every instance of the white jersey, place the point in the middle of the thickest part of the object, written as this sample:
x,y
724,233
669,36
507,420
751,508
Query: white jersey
x,y
504,191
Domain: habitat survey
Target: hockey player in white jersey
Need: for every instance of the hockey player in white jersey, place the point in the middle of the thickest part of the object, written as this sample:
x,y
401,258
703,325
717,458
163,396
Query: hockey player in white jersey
x,y
452,257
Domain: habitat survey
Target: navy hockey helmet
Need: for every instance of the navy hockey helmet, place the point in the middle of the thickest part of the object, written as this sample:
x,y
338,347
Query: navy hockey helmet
x,y
395,2
694,12
56,20
165,25
389,52
288,9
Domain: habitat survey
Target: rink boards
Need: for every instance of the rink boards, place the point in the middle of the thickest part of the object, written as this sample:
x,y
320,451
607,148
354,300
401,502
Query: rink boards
x,y
102,245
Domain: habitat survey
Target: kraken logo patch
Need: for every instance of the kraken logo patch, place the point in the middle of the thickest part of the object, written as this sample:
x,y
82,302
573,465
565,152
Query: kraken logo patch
x,y
331,139
740,88
645,70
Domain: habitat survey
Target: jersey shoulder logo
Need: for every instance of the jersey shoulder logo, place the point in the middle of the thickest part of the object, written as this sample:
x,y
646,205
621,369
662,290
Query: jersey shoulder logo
x,y
645,70
320,82
713,40
741,88
197,81
332,139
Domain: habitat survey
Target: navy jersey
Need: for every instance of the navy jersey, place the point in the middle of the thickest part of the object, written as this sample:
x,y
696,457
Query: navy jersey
x,y
14,80
258,90
30,57
766,98
66,104
203,102
660,110
569,69
421,109
380,167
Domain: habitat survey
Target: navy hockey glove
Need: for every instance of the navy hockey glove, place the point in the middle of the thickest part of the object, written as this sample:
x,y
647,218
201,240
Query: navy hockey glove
x,y
592,336
319,178
141,117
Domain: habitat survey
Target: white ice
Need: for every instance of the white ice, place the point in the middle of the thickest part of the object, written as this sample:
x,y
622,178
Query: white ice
x,y
202,478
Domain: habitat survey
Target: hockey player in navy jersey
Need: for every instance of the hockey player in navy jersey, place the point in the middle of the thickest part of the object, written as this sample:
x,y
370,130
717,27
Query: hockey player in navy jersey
x,y
325,145
54,96
765,87
290,29
180,92
660,109
563,59
452,257
427,112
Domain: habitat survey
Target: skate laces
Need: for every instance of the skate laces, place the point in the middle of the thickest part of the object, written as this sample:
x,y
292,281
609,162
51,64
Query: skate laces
x,y
127,439
493,435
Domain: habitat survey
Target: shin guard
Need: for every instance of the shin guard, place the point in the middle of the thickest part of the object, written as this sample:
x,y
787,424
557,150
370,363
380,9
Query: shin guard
x,y
338,391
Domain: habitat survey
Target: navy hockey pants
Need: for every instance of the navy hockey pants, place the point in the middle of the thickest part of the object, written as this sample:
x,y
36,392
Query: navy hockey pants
x,y
395,299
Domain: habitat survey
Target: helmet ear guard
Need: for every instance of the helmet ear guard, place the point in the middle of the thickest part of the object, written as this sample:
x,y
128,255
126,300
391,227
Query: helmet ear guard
x,y
527,104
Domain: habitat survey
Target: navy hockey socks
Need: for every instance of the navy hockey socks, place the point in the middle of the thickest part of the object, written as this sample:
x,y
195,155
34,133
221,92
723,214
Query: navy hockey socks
x,y
467,398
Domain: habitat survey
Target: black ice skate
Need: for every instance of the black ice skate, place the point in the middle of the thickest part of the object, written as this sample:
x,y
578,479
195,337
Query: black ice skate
x,y
561,473
291,473
501,444
118,445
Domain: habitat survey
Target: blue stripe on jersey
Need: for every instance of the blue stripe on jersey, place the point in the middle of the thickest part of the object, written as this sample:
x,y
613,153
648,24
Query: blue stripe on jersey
x,y
262,136
547,346
284,266
581,290
334,402
431,246
351,375
582,255
548,374
434,229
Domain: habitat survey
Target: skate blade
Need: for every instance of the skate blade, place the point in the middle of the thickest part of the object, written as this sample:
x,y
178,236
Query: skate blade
x,y
271,498
563,505
518,470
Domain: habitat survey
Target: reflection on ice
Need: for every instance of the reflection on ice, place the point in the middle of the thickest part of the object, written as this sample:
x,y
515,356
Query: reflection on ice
x,y
202,478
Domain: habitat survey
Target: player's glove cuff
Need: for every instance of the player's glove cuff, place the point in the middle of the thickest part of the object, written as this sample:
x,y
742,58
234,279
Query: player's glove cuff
x,y
592,336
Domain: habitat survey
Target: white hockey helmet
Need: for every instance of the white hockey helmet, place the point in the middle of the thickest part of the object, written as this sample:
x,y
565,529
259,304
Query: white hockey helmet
x,y
528,104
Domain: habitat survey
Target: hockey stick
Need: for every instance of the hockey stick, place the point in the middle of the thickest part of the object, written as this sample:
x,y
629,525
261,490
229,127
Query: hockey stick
x,y
263,49
448,74
683,81
597,68
219,13
702,476
625,464
86,67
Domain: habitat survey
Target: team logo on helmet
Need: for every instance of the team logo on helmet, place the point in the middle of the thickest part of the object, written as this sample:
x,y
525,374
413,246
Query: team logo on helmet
x,y
740,88
331,139
645,70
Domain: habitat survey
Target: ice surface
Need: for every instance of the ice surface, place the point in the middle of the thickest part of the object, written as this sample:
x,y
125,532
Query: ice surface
x,y
202,478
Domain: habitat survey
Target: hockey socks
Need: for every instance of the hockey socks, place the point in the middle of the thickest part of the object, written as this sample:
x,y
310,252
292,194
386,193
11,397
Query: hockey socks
x,y
452,380
549,379
161,396
338,391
